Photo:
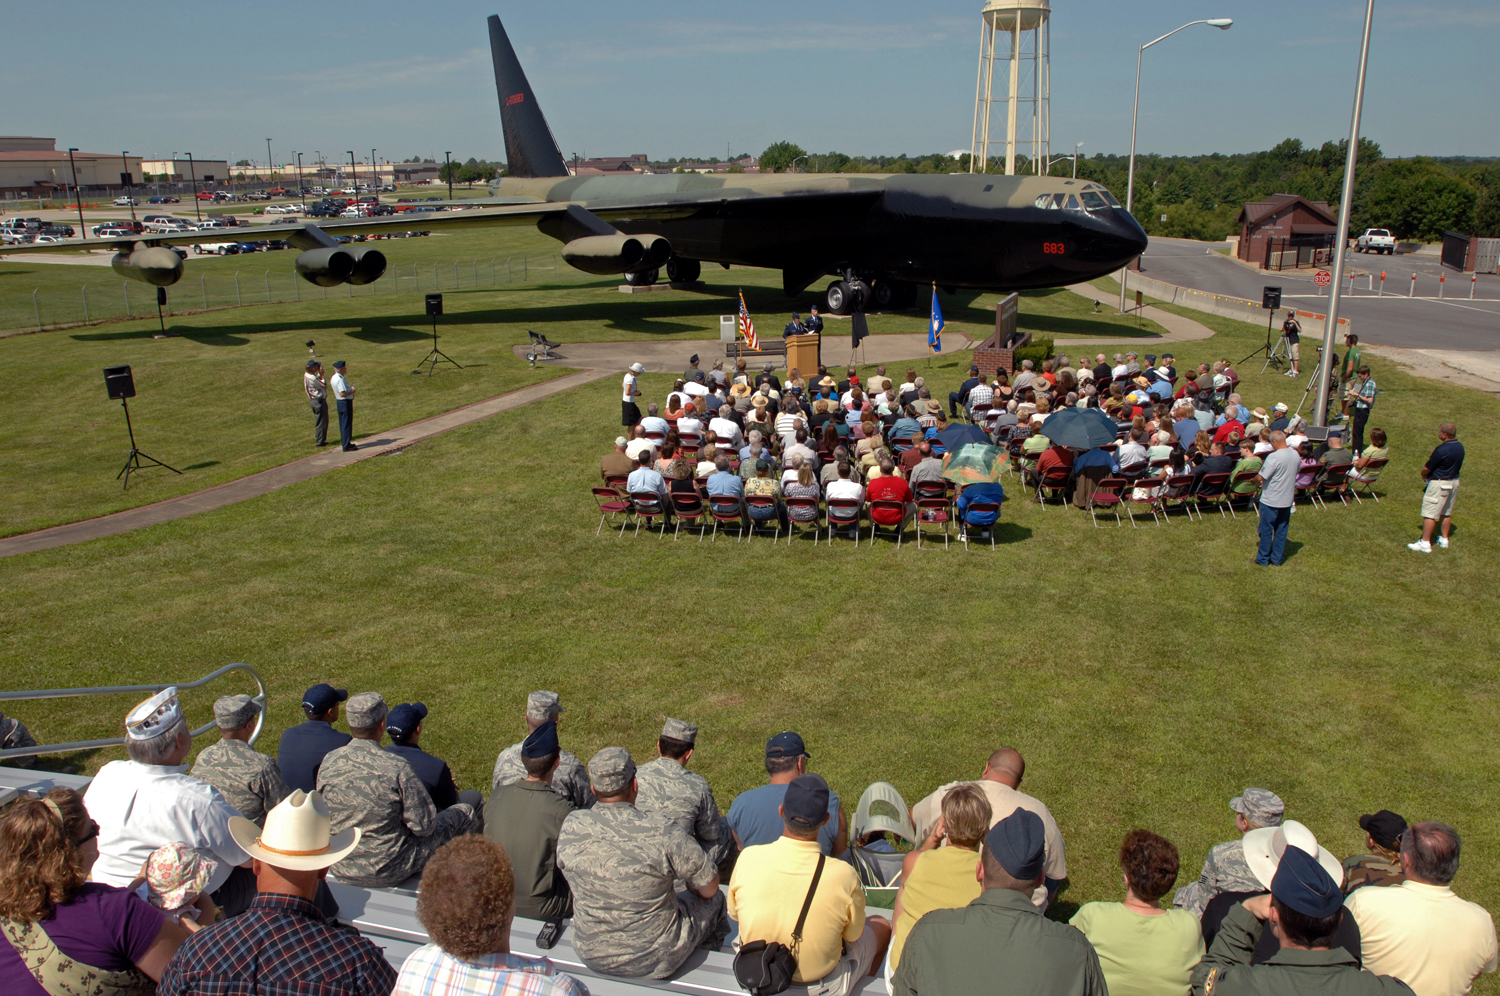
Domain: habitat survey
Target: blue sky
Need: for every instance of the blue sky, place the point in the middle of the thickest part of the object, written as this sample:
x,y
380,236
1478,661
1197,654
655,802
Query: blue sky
x,y
672,79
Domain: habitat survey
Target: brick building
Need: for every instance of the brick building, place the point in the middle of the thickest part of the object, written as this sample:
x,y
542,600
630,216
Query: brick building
x,y
1284,222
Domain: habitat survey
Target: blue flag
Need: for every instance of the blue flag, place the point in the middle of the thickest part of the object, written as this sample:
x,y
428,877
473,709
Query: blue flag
x,y
935,327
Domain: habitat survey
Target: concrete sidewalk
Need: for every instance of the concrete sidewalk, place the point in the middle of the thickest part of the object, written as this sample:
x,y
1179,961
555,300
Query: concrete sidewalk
x,y
1179,329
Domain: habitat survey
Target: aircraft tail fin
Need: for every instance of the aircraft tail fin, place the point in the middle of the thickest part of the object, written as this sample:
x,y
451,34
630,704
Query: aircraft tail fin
x,y
530,149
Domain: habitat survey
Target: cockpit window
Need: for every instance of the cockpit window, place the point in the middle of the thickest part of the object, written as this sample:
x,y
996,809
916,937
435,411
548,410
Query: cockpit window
x,y
1092,201
1073,203
1043,201
1057,202
1110,197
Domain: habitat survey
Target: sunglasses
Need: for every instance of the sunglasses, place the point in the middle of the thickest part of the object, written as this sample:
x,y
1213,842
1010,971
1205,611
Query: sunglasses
x,y
93,832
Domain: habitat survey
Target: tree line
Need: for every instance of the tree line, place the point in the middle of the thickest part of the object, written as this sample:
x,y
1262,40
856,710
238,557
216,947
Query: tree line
x,y
1198,197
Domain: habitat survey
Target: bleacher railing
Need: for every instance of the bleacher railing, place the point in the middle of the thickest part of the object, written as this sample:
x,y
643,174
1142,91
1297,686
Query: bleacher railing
x,y
70,693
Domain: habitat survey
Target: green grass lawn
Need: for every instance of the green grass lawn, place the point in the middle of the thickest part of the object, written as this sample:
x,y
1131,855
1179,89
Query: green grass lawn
x,y
223,397
1148,675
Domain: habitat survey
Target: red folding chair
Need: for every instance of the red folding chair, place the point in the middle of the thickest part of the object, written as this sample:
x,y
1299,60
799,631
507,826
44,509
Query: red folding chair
x,y
1373,466
763,501
1179,489
979,506
1333,479
843,512
687,508
1143,492
648,505
1211,491
1055,480
610,505
725,510
793,522
1107,496
692,441
1249,497
619,482
887,505
656,437
933,511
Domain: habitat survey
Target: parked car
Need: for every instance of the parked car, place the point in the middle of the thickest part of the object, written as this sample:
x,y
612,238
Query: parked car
x,y
245,247
46,238
381,210
282,209
181,252
216,249
211,223
116,228
205,195
1376,240
275,244
278,192
125,201
54,229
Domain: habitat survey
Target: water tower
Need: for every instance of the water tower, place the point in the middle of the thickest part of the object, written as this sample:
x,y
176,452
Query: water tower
x,y
1015,32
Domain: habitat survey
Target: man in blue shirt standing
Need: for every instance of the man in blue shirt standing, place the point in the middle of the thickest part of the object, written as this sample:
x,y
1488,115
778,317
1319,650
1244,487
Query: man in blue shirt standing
x,y
755,816
1441,474
303,746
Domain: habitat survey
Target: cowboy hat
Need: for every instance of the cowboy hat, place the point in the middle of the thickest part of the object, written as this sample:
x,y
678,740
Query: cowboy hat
x,y
296,835
1264,847
639,368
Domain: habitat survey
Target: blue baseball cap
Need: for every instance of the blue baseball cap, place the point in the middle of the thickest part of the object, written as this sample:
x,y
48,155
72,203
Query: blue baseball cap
x,y
320,698
403,720
786,744
805,804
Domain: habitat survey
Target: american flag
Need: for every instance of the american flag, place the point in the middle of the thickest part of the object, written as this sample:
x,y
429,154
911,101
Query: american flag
x,y
747,327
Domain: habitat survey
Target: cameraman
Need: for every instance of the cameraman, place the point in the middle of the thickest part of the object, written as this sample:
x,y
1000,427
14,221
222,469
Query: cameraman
x,y
1292,333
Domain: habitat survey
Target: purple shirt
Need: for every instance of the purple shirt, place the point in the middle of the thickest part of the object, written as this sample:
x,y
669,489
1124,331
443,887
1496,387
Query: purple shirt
x,y
103,926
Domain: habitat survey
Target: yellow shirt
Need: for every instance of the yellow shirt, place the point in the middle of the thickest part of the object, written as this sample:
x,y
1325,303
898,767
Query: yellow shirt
x,y
1424,935
942,879
766,892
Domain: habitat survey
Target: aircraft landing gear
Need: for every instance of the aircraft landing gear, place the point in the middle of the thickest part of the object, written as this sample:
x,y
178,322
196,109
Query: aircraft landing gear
x,y
645,278
847,296
683,271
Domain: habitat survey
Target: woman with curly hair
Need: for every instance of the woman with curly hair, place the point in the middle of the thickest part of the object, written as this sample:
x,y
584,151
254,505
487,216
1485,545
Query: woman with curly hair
x,y
63,932
1143,949
467,904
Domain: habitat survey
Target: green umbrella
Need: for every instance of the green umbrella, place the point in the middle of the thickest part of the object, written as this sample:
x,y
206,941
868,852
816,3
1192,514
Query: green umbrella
x,y
974,463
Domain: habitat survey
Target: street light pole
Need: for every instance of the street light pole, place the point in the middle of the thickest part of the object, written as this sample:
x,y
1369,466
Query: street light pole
x,y
193,176
1341,240
129,186
1223,24
448,157
77,197
1075,159
374,176
300,182
270,163
353,174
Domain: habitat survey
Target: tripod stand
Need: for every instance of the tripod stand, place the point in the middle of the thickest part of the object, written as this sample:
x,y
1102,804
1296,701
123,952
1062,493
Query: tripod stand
x,y
1281,355
435,354
1267,348
134,458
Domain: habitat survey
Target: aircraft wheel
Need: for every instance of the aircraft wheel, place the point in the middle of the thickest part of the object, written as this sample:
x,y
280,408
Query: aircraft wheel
x,y
883,294
859,295
837,297
645,278
683,271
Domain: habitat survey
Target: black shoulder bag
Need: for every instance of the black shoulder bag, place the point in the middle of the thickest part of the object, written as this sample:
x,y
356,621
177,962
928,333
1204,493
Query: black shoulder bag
x,y
767,968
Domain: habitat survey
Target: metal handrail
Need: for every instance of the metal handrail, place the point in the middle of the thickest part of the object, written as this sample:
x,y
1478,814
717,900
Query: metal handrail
x,y
69,693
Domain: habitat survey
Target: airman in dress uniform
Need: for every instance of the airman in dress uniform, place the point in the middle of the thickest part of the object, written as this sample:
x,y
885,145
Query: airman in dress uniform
x,y
682,796
404,724
571,781
249,780
380,793
13,734
621,864
1303,910
1225,870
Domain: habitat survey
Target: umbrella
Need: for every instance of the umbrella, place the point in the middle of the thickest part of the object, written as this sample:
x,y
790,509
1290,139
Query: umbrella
x,y
974,463
957,435
1080,428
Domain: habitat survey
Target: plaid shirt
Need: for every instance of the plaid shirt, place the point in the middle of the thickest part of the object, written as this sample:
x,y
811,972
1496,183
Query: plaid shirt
x,y
1364,395
429,971
281,946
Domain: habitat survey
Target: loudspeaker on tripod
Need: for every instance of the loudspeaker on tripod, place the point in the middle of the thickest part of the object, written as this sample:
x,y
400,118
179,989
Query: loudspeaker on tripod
x,y
434,305
119,383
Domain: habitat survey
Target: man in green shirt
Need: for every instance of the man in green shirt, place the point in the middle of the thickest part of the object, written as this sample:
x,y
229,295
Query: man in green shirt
x,y
1001,940
1303,910
1349,369
525,818
1248,462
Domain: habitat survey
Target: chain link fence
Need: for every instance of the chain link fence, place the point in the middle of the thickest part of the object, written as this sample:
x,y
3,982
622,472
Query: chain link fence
x,y
109,298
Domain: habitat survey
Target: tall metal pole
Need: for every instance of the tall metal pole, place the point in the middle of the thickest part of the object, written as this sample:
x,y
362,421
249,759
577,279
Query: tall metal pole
x,y
77,197
299,176
353,174
193,176
270,163
449,169
374,175
129,187
1341,240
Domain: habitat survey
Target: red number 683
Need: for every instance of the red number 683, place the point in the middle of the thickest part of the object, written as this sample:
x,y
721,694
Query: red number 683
x,y
1053,248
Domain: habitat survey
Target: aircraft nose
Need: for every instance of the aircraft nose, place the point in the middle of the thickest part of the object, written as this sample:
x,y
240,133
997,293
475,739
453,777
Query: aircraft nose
x,y
1130,238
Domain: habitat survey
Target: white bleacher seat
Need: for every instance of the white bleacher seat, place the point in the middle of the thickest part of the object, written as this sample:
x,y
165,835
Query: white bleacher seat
x,y
14,781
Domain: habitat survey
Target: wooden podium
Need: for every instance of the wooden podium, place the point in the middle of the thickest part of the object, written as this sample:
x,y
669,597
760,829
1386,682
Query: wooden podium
x,y
803,352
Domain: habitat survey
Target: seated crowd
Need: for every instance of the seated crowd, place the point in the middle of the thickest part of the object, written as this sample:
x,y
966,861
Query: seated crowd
x,y
178,891
766,452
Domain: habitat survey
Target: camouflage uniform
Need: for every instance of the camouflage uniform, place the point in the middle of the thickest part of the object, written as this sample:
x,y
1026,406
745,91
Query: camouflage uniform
x,y
1225,870
570,781
378,792
13,734
621,864
1371,869
683,797
248,779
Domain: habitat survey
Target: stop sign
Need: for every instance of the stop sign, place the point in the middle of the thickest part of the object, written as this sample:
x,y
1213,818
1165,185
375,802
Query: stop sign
x,y
1322,278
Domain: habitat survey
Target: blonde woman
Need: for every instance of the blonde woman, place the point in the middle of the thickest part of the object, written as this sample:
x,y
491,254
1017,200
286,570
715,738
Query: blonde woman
x,y
935,877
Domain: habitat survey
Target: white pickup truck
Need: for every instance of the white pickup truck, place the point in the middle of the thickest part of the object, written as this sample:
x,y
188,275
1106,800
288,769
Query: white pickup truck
x,y
1376,240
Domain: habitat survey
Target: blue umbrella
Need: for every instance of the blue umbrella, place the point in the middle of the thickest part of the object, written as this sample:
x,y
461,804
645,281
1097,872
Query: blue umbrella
x,y
1080,428
956,435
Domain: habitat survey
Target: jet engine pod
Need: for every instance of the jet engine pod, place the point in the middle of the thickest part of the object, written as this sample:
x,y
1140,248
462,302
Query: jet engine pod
x,y
369,264
607,254
155,265
327,267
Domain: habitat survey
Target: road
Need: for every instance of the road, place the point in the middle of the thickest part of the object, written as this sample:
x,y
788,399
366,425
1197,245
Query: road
x,y
1420,322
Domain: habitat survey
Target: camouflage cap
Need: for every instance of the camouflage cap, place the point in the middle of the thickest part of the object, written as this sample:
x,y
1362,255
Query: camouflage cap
x,y
233,711
676,729
611,770
365,709
542,706
1260,806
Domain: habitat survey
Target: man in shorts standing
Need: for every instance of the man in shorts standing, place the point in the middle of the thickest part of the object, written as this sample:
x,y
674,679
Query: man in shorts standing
x,y
1441,474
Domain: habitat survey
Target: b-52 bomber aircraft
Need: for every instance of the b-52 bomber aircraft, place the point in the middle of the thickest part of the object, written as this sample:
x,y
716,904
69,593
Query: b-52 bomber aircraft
x,y
881,236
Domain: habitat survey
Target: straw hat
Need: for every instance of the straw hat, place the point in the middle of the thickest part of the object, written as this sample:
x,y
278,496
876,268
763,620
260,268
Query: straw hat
x,y
296,835
760,401
740,390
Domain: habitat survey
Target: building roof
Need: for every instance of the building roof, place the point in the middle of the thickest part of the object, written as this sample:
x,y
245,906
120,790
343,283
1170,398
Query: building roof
x,y
52,155
1254,211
